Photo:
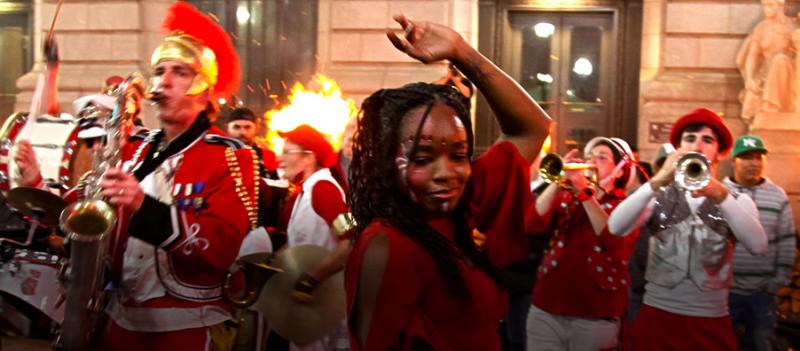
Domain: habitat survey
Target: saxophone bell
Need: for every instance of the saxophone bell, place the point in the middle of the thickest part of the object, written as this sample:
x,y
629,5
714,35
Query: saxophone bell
x,y
88,220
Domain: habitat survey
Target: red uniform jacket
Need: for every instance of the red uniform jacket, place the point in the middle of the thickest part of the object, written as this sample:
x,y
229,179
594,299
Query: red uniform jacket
x,y
188,230
582,274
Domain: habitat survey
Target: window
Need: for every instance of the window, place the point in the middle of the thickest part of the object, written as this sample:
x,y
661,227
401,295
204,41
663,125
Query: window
x,y
276,41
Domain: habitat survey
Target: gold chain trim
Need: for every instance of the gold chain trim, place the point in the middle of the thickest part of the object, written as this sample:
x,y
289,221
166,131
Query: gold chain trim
x,y
241,190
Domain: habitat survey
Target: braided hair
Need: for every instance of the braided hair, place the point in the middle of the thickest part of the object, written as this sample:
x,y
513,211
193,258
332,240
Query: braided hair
x,y
375,193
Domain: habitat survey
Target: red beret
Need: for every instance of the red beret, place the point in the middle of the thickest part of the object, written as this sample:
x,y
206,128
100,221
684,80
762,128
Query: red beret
x,y
312,140
114,80
706,117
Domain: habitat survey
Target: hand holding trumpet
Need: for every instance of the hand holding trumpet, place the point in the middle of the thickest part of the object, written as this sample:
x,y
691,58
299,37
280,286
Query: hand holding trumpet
x,y
575,178
568,171
692,172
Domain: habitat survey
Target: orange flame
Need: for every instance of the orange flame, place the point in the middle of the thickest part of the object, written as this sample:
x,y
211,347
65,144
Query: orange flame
x,y
324,110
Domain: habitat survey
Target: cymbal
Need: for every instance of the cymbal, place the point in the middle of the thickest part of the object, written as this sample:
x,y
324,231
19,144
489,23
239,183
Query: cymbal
x,y
302,323
39,204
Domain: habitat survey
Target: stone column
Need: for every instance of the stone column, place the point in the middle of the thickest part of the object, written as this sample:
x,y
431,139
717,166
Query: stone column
x,y
782,138
353,48
96,39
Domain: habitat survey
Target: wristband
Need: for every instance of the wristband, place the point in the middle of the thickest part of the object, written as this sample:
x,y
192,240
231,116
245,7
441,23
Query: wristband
x,y
586,194
304,288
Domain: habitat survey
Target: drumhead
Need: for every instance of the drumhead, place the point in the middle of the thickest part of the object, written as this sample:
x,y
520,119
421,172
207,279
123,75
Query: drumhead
x,y
55,141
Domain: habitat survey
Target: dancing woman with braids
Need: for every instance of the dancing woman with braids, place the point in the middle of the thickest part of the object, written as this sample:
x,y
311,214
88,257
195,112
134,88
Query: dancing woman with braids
x,y
415,280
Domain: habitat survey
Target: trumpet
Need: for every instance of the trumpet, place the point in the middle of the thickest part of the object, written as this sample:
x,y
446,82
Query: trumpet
x,y
692,171
552,168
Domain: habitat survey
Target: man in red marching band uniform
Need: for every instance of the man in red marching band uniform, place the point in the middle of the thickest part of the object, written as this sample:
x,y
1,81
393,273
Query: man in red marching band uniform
x,y
186,204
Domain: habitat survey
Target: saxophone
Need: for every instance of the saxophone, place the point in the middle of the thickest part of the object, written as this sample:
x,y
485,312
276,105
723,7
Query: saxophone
x,y
87,224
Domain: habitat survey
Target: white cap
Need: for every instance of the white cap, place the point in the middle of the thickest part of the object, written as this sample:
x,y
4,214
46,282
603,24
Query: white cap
x,y
620,145
103,100
622,148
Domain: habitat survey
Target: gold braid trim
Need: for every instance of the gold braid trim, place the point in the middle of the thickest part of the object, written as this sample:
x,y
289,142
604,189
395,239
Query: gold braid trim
x,y
241,190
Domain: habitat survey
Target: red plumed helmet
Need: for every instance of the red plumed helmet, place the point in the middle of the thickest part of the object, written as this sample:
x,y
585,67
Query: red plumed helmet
x,y
195,39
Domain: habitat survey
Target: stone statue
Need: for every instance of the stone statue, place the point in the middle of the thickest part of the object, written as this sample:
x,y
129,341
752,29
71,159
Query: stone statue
x,y
766,61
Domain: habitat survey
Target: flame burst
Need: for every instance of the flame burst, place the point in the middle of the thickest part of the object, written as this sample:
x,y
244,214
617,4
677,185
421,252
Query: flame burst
x,y
324,110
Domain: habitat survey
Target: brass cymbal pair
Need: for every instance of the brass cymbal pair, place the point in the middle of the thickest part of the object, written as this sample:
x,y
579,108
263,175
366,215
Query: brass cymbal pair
x,y
299,323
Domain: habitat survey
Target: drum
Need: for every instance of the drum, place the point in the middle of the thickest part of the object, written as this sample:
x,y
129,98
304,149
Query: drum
x,y
32,276
62,159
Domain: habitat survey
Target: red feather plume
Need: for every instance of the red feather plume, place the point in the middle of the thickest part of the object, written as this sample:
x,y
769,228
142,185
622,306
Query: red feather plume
x,y
182,16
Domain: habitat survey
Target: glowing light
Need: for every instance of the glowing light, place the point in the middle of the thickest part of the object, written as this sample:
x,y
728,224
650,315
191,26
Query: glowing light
x,y
242,14
222,101
583,67
547,144
544,77
544,29
558,3
325,110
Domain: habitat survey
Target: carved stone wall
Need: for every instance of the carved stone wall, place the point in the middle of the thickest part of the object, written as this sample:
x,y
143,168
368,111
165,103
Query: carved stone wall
x,y
98,39
695,66
688,60
353,49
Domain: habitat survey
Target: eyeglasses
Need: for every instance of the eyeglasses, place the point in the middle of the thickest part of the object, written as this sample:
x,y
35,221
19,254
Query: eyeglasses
x,y
290,152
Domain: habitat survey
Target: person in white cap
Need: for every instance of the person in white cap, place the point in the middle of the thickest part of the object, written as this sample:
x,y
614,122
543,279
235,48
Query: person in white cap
x,y
581,289
91,111
94,105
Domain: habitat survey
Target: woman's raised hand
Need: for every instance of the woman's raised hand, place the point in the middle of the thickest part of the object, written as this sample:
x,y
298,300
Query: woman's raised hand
x,y
425,41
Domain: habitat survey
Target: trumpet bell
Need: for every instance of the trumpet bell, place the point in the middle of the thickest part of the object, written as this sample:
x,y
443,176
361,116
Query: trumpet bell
x,y
552,167
88,220
692,171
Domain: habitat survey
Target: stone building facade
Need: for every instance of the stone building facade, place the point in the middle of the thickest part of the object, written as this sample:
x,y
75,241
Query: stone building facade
x,y
102,38
686,56
689,51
